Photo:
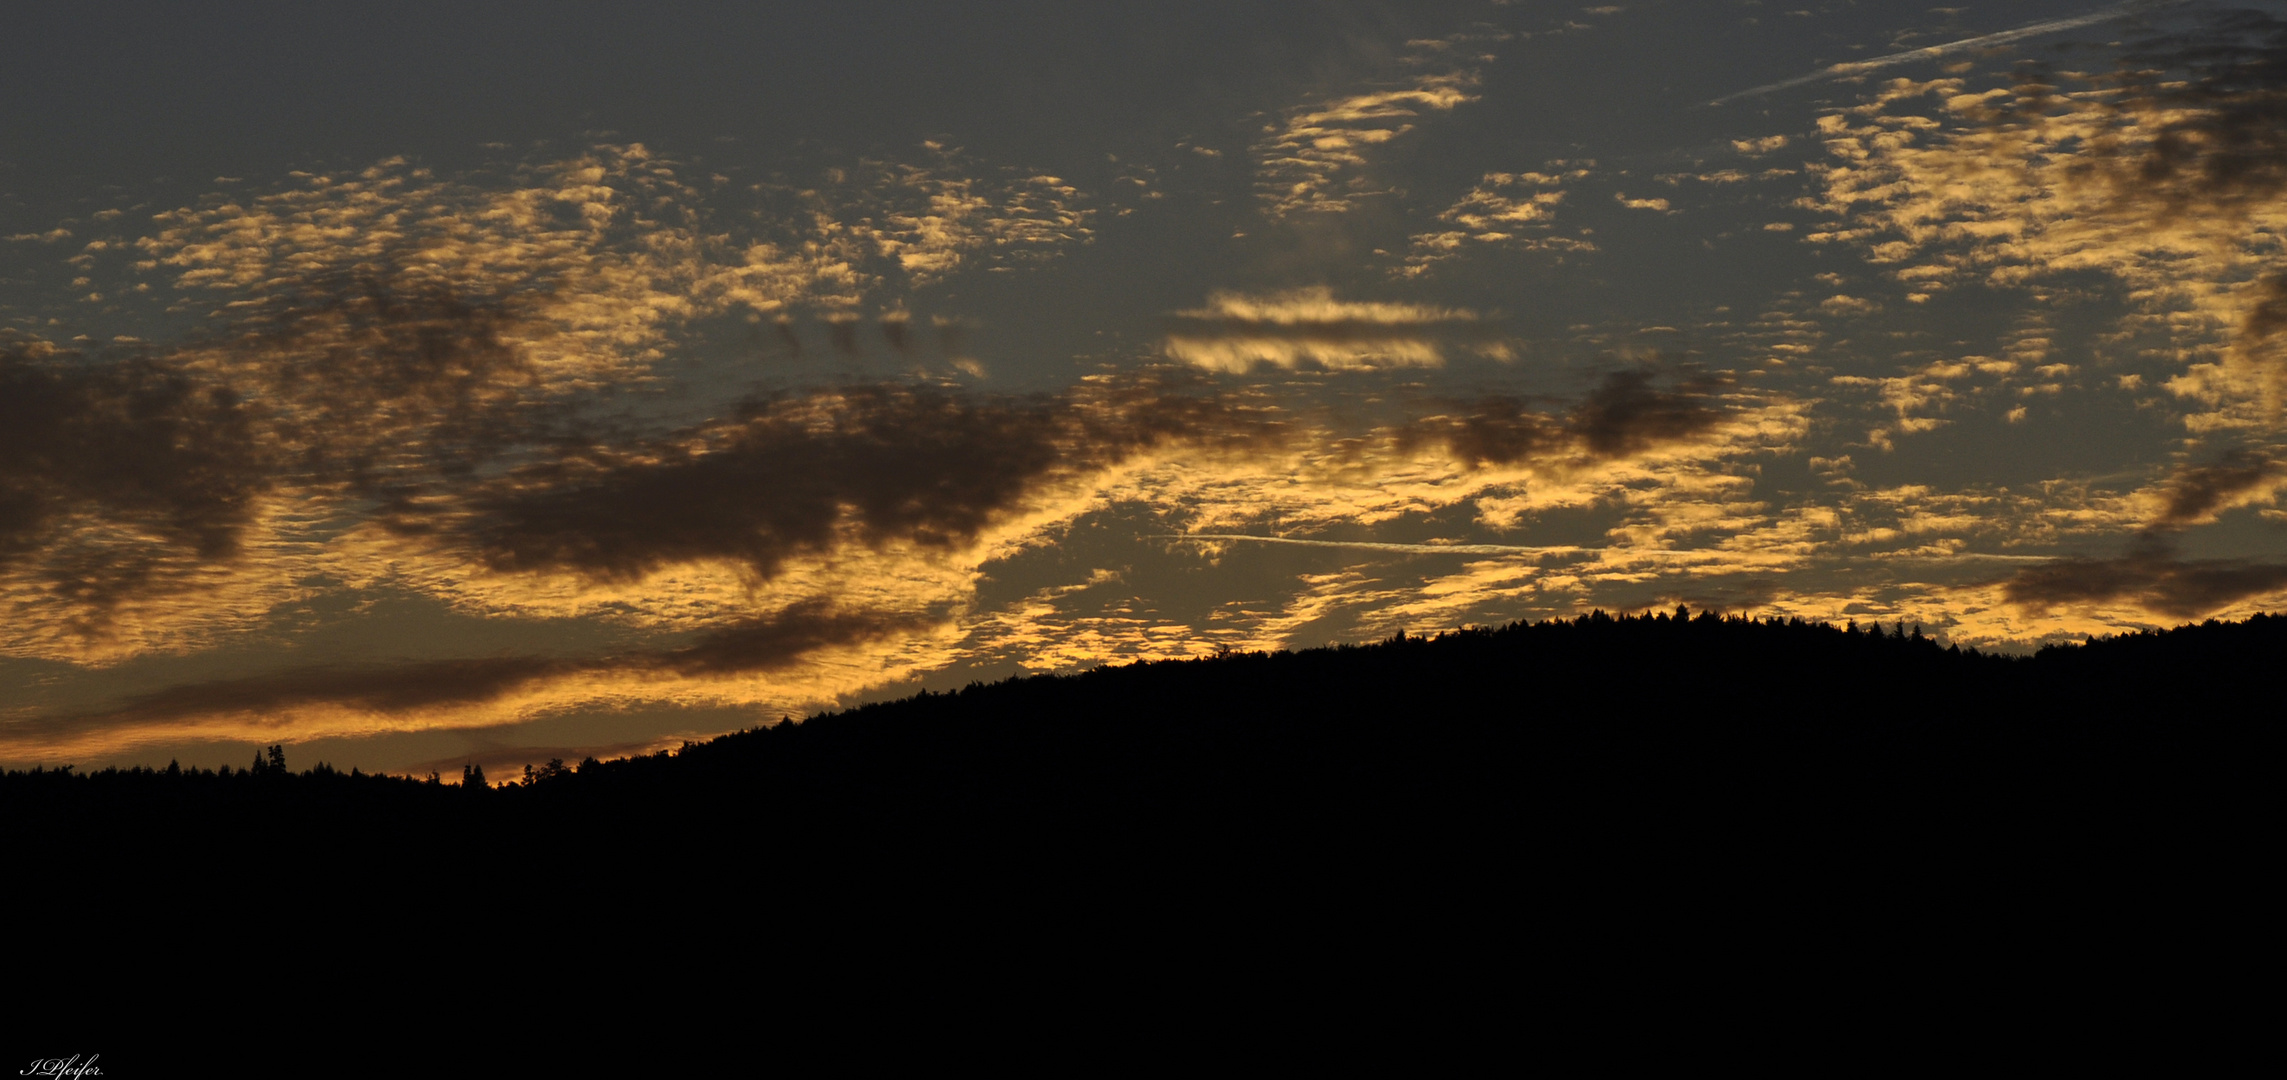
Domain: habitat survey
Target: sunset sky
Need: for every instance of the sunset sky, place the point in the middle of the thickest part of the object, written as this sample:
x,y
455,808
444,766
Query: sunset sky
x,y
433,383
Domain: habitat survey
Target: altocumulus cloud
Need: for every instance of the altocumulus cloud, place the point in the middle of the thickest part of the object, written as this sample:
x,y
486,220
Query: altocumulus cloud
x,y
2164,177
380,338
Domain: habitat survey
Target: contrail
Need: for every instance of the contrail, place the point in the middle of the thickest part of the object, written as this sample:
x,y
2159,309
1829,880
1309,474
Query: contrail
x,y
1856,67
1969,557
1368,545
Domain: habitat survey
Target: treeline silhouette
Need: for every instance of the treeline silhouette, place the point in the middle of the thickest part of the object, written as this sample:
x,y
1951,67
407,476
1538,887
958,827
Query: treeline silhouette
x,y
1583,804
1668,722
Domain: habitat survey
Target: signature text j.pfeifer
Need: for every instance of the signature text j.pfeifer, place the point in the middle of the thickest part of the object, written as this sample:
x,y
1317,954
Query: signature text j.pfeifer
x,y
61,1067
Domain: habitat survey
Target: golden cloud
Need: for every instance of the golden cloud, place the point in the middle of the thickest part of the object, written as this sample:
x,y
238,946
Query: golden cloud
x,y
1312,160
1309,327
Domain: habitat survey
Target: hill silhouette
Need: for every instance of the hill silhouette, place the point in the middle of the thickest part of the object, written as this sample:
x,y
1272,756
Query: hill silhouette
x,y
1617,722
1599,797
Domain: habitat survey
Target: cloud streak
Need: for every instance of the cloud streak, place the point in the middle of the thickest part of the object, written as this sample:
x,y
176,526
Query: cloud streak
x,y
1309,328
1985,41
1369,545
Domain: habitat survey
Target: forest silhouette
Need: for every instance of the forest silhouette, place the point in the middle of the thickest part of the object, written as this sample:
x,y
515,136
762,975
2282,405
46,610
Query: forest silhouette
x,y
1600,808
1672,728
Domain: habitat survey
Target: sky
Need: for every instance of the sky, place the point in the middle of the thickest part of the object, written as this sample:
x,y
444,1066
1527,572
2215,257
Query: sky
x,y
441,384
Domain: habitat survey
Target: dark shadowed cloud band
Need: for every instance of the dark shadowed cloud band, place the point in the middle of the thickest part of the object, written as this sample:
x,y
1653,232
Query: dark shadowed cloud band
x,y
2153,578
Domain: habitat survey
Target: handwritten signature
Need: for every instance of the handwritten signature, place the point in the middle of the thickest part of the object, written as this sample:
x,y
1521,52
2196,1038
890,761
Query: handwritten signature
x,y
60,1067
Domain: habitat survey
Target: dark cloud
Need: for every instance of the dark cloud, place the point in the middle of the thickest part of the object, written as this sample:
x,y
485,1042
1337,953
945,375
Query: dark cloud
x,y
2269,313
378,378
768,644
2259,340
2214,97
2201,489
2152,576
916,463
129,442
369,381
896,330
771,483
1492,430
1626,414
755,645
380,688
122,475
787,336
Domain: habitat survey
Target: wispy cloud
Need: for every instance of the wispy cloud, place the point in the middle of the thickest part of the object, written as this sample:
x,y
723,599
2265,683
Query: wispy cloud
x,y
1314,159
1932,52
